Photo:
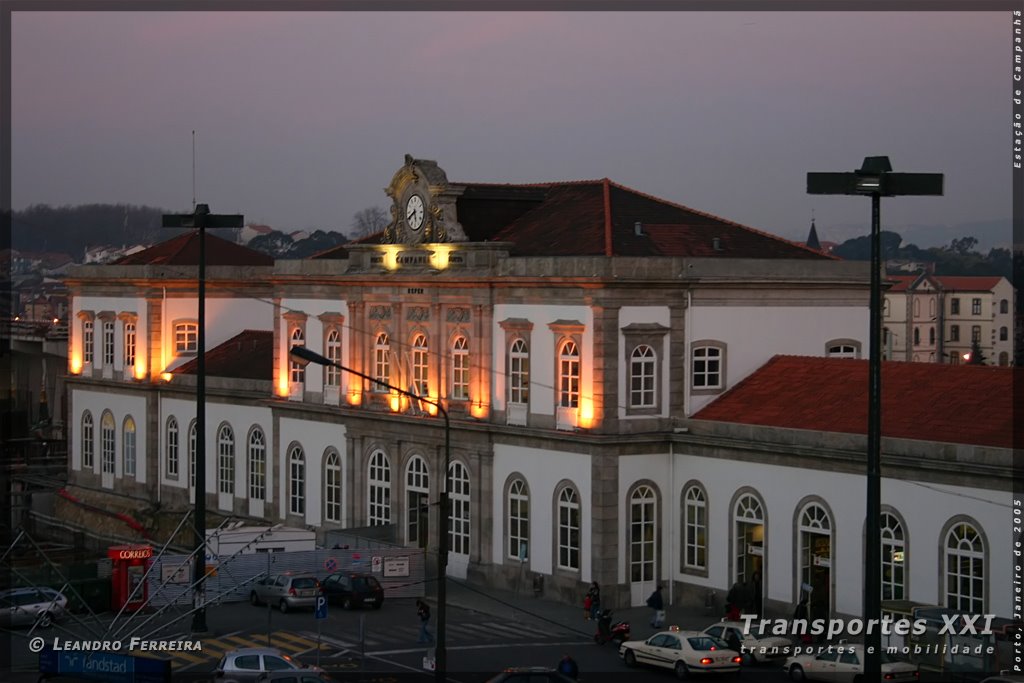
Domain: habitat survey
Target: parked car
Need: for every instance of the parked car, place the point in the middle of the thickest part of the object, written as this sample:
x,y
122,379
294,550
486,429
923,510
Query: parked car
x,y
530,674
843,663
295,677
753,645
684,652
286,591
353,590
28,606
251,664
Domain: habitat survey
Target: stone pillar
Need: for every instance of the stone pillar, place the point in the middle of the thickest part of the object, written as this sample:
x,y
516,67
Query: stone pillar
x,y
678,361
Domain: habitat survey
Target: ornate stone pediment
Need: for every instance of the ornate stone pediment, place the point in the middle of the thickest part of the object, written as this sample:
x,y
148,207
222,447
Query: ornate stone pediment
x,y
422,205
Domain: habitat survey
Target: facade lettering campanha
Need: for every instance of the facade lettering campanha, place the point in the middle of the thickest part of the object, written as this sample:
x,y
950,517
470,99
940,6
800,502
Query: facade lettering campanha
x,y
597,352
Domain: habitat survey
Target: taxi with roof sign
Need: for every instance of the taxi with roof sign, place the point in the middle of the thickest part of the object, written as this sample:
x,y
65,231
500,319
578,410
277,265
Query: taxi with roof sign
x,y
684,652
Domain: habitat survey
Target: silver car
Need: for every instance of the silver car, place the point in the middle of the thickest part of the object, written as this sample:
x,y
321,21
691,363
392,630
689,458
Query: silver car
x,y
259,664
28,606
286,591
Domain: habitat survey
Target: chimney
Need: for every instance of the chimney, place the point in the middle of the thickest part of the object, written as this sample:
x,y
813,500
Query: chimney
x,y
638,229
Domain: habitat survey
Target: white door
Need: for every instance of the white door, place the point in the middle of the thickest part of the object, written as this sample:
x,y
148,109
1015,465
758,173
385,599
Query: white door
x,y
642,537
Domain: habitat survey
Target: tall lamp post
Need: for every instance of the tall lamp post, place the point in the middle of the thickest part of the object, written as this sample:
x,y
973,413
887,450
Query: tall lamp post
x,y
874,179
201,219
303,356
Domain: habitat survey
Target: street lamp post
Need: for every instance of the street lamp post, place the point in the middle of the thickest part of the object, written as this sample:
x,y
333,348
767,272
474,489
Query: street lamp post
x,y
302,355
876,180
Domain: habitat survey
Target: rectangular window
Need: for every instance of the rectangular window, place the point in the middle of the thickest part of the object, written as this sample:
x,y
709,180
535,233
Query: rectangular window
x,y
641,381
975,333
172,449
381,363
460,369
420,387
108,343
519,373
87,341
707,367
975,306
332,374
954,306
129,345
186,337
954,333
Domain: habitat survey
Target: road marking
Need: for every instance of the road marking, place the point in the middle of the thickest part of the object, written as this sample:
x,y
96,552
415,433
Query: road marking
x,y
490,646
295,638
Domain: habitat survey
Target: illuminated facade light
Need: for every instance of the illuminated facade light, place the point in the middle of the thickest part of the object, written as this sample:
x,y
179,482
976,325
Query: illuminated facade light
x,y
355,395
75,363
585,417
166,376
478,410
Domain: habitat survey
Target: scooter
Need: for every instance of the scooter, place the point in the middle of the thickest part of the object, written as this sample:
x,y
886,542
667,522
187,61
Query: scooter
x,y
606,631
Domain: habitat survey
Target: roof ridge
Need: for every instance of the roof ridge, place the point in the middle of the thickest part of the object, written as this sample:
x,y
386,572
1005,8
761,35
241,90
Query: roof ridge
x,y
724,220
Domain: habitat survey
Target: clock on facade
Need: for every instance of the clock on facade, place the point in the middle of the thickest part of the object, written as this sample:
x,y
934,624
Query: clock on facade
x,y
414,212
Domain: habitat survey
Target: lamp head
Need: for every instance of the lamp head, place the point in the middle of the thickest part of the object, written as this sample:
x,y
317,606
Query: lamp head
x,y
302,356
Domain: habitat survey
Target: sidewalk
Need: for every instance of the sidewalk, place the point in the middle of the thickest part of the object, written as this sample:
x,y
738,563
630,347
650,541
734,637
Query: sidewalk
x,y
524,606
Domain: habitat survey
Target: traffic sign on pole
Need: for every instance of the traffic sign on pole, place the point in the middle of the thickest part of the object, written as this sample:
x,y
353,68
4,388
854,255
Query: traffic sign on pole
x,y
321,607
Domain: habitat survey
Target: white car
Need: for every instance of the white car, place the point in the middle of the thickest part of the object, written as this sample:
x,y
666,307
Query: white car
x,y
32,606
684,652
845,664
753,645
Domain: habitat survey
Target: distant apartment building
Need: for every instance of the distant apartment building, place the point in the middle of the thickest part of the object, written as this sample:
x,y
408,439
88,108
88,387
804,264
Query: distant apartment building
x,y
936,318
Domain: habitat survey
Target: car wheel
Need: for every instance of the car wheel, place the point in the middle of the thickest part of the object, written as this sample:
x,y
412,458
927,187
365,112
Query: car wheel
x,y
254,599
346,603
796,673
682,673
45,620
629,658
283,606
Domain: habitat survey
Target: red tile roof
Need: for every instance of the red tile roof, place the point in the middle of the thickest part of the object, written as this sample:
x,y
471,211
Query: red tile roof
x,y
183,250
247,355
902,282
965,404
967,283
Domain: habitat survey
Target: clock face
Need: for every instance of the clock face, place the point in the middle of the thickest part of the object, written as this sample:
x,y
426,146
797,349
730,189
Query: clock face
x,y
414,212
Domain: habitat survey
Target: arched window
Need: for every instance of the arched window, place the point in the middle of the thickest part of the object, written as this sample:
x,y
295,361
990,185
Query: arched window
x,y
893,545
569,375
749,528
695,528
641,377
128,447
460,369
381,362
568,529
172,447
815,558
257,465
379,489
417,487
842,349
519,373
965,569
107,440
88,442
931,336
420,366
458,528
917,336
192,450
297,370
297,481
642,534
226,460
332,487
917,307
1004,306
518,520
332,373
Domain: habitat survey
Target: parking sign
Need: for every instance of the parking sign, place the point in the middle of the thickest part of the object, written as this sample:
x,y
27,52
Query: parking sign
x,y
321,607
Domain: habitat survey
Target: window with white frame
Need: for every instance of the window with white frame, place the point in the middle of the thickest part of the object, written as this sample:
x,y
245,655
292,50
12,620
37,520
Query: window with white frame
x,y
569,375
965,569
297,481
379,489
893,544
332,373
257,458
172,447
695,528
226,460
460,369
87,341
707,367
192,451
842,349
458,527
107,440
641,377
108,343
568,529
975,306
87,440
332,487
128,447
129,344
381,362
519,373
186,337
518,520
420,365
954,333
297,371
976,333
417,489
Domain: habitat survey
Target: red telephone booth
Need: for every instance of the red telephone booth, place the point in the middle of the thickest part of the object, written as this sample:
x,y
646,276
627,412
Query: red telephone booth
x,y
129,564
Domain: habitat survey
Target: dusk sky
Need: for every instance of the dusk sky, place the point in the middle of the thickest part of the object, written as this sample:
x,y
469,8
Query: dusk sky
x,y
302,118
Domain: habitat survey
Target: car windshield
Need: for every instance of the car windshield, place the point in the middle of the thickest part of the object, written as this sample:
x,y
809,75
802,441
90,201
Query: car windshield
x,y
707,643
303,583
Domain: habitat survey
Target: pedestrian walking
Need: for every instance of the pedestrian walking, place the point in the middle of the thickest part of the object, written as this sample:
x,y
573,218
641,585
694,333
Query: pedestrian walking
x,y
595,599
656,603
587,602
423,612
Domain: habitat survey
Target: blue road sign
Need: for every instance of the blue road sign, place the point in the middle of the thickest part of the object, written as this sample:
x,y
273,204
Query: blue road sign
x,y
321,607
